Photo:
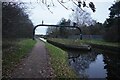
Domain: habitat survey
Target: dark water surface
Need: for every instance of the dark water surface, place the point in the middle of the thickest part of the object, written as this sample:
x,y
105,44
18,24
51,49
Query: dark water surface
x,y
95,64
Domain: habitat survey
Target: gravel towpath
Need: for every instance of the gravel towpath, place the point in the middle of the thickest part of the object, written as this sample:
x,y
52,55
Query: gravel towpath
x,y
35,65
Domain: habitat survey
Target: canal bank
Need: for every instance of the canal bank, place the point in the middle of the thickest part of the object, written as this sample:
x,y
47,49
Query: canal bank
x,y
74,44
106,48
68,47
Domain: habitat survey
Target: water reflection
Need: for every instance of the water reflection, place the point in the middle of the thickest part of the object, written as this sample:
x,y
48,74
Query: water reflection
x,y
112,66
95,65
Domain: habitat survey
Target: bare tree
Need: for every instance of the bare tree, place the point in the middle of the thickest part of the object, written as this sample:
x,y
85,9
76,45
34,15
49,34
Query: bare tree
x,y
82,18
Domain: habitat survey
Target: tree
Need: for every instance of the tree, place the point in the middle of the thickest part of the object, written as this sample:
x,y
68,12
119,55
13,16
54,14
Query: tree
x,y
83,20
115,10
81,17
61,32
112,24
15,22
96,29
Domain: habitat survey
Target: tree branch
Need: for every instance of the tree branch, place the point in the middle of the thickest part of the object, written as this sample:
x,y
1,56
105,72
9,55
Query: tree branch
x,y
62,5
77,5
48,9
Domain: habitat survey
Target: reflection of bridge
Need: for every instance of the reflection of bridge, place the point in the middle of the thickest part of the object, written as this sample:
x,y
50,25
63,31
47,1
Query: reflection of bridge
x,y
74,26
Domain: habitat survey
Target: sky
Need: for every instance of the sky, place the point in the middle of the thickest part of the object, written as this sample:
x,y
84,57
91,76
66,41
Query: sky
x,y
39,12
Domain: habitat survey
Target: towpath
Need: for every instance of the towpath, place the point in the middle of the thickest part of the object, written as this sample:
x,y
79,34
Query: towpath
x,y
36,65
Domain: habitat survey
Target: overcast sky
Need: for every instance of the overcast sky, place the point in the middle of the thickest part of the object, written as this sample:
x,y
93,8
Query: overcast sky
x,y
40,12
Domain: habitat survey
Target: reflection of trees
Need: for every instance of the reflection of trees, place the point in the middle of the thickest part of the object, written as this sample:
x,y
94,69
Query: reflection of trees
x,y
112,66
80,62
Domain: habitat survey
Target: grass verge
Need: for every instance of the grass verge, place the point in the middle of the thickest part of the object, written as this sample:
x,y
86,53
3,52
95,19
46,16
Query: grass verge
x,y
84,41
13,52
59,62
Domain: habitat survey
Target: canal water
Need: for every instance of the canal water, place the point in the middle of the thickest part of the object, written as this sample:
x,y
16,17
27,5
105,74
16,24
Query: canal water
x,y
95,64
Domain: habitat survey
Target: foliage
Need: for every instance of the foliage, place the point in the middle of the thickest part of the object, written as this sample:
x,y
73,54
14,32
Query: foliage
x,y
62,32
115,10
59,62
13,52
112,24
96,29
15,22
92,6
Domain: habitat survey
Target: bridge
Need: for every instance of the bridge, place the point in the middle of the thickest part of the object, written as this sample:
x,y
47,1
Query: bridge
x,y
74,26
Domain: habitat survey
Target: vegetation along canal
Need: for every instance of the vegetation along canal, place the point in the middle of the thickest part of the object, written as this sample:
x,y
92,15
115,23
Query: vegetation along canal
x,y
95,64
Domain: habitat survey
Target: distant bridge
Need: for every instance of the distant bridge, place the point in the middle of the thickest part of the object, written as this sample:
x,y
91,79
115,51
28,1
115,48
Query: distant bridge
x,y
74,26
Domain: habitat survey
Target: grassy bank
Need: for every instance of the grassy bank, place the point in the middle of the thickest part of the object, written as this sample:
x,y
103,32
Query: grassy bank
x,y
84,41
59,62
13,52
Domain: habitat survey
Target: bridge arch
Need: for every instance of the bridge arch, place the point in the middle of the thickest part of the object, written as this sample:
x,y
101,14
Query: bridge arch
x,y
74,26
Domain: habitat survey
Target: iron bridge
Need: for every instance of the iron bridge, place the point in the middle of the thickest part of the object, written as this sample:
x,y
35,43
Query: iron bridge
x,y
74,26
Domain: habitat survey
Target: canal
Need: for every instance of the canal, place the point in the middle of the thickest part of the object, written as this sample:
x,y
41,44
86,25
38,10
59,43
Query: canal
x,y
95,64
